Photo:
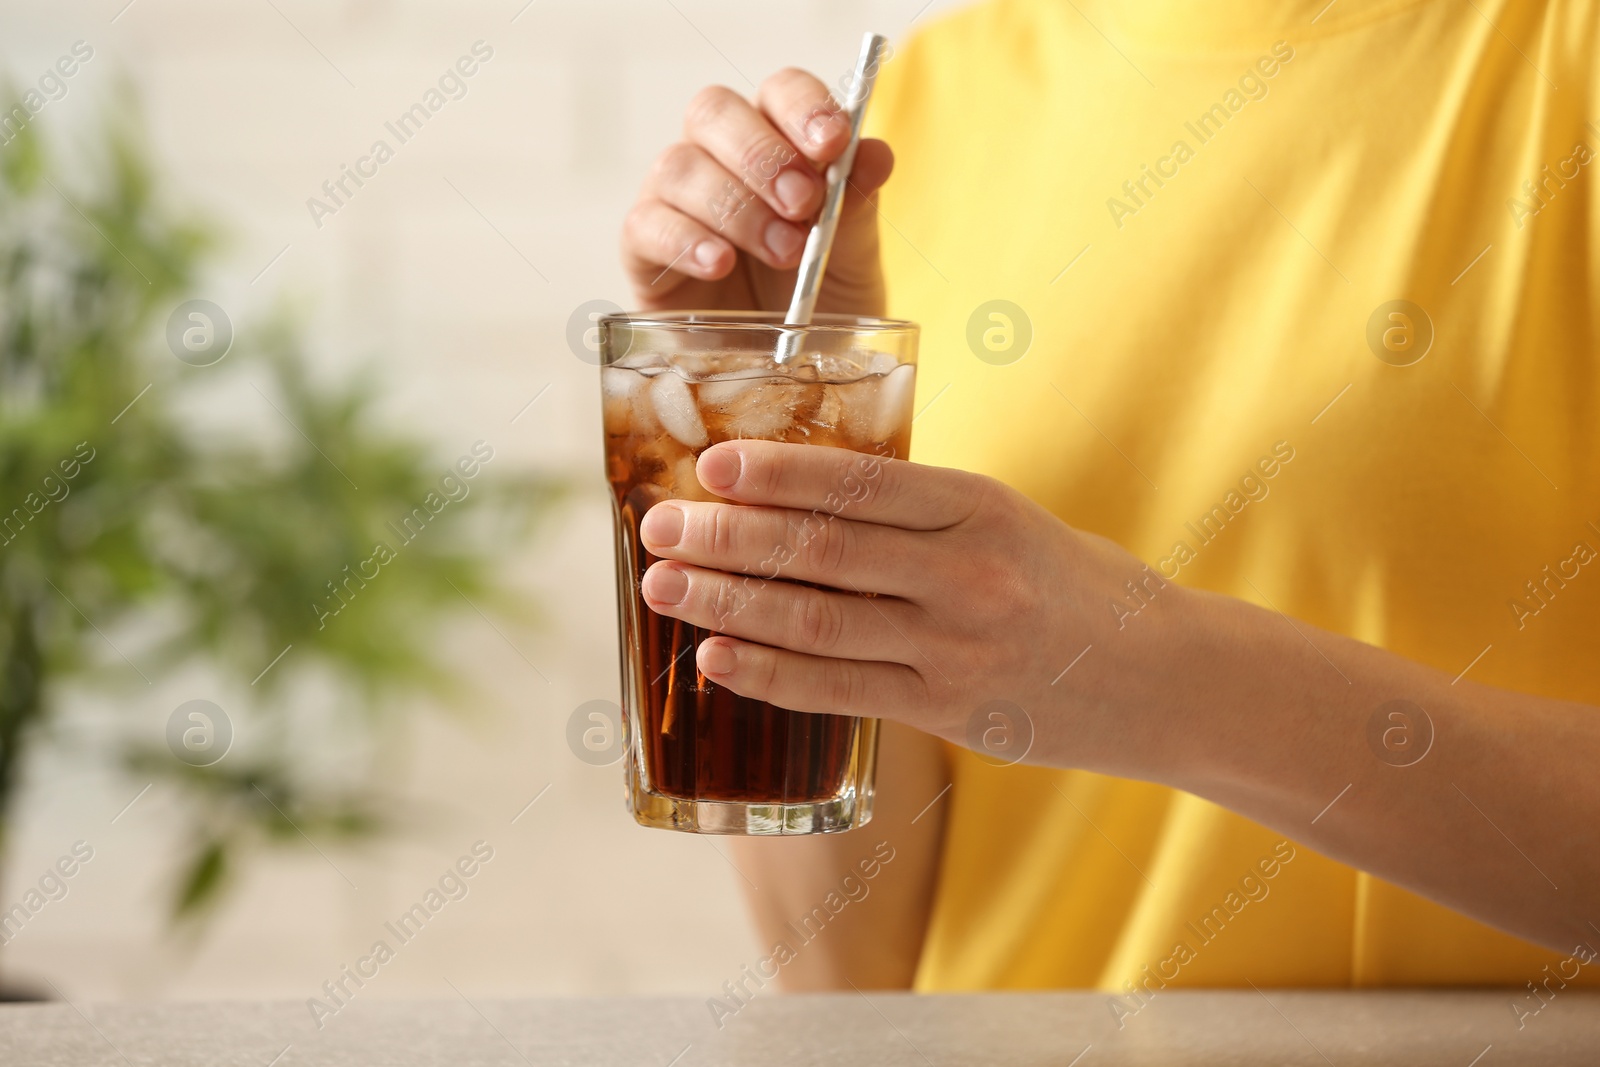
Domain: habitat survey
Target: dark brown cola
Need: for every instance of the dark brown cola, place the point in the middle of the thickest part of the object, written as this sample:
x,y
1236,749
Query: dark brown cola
x,y
700,741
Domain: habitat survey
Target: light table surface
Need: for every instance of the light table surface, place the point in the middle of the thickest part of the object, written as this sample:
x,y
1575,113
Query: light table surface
x,y
1175,1029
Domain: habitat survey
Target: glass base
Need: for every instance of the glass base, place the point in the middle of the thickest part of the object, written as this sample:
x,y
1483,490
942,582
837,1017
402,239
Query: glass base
x,y
831,816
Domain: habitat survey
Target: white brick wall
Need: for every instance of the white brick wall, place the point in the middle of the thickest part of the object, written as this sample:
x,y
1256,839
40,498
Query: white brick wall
x,y
246,120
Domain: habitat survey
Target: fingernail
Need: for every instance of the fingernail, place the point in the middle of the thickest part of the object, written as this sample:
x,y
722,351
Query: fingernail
x,y
717,658
793,189
823,126
718,469
662,526
665,585
783,240
707,253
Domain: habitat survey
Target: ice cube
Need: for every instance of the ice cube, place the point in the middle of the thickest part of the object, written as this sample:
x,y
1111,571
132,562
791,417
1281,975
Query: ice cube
x,y
735,364
881,363
805,401
767,417
858,417
623,401
755,408
686,484
716,394
836,368
831,408
893,409
695,365
675,407
614,381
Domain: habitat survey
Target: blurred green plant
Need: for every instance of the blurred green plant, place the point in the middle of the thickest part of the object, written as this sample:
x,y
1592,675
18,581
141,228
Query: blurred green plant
x,y
216,552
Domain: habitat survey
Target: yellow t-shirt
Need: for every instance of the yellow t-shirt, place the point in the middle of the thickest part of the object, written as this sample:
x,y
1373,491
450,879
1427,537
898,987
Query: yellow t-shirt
x,y
1204,211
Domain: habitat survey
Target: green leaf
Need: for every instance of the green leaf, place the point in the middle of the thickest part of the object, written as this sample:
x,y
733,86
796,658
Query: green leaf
x,y
202,881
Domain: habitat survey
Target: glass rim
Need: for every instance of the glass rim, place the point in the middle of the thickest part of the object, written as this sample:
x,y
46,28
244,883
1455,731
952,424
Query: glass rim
x,y
770,321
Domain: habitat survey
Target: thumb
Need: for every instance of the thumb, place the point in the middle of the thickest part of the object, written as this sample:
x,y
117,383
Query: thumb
x,y
874,163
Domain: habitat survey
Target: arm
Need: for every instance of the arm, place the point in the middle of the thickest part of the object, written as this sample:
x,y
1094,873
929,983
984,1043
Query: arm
x,y
1496,818
986,596
875,940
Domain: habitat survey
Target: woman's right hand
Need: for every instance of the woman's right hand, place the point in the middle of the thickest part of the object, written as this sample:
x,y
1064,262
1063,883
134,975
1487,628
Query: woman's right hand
x,y
723,215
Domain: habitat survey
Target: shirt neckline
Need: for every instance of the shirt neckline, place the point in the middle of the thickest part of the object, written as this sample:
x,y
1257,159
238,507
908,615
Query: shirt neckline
x,y
1233,24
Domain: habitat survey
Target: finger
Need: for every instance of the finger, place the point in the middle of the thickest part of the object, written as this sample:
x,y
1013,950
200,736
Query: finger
x,y
800,682
740,138
688,179
782,614
873,165
853,485
806,114
656,238
808,546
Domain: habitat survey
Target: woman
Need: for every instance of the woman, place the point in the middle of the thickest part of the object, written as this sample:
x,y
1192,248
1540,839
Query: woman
x,y
1257,486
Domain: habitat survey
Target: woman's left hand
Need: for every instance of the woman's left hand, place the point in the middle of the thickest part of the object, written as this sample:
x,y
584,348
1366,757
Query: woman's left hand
x,y
980,595
985,597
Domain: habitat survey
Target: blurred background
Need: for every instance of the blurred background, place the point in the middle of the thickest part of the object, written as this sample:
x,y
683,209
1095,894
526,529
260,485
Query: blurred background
x,y
350,779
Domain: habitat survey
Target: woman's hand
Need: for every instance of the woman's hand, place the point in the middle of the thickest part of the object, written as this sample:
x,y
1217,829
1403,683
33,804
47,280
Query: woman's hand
x,y
723,214
981,595
984,596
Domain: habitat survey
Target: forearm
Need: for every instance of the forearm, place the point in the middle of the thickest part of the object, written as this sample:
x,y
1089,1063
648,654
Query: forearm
x,y
1496,815
853,907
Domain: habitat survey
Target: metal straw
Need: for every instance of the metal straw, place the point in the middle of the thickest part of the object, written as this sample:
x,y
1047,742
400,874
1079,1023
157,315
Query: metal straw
x,y
819,242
